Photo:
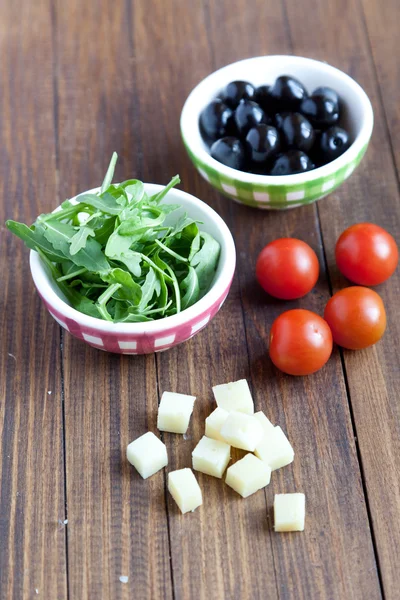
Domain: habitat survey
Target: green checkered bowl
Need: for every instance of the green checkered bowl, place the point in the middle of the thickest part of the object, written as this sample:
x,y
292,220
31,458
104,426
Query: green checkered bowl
x,y
286,191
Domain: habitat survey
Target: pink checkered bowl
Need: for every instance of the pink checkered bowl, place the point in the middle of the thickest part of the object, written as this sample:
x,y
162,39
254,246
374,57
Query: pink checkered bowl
x,y
162,334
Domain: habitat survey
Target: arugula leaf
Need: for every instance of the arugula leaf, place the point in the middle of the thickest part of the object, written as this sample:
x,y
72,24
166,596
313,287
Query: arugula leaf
x,y
110,173
194,246
91,256
171,252
118,193
103,231
106,202
190,287
129,290
72,274
205,261
156,198
131,260
149,288
163,294
135,225
134,190
177,291
78,241
34,238
134,318
102,300
180,225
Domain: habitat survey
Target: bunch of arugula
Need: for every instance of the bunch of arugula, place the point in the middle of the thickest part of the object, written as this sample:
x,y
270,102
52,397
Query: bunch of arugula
x,y
113,257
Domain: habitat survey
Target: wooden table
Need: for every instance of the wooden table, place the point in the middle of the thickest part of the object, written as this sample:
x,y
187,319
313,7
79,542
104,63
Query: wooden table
x,y
77,81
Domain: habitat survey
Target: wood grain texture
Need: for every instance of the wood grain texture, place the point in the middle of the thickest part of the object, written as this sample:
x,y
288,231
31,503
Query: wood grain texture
x,y
79,80
117,522
373,375
32,511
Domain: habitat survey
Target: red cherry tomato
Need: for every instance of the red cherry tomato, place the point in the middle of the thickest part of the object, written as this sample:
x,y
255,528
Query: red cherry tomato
x,y
300,342
366,254
287,268
356,316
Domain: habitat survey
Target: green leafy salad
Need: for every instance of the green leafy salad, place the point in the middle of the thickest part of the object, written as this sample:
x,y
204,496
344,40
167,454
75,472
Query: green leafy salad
x,y
116,256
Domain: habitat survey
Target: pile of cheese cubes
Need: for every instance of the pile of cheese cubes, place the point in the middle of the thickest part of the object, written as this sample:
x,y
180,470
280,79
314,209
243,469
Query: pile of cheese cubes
x,y
232,423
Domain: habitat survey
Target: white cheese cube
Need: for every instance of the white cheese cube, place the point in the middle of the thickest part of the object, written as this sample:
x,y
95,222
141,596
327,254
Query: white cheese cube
x,y
211,457
214,423
265,422
184,489
147,454
174,412
234,396
242,431
275,449
248,475
289,512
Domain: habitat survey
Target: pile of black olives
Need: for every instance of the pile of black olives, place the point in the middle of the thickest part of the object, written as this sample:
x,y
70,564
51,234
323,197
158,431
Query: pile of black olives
x,y
274,130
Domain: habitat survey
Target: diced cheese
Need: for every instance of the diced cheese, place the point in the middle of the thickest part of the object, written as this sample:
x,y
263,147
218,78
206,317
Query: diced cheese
x,y
242,431
147,454
265,422
275,449
214,423
184,489
234,396
248,475
211,457
174,412
289,512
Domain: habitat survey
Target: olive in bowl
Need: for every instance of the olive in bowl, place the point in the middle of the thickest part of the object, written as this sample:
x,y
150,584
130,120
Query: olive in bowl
x,y
230,152
216,120
236,91
322,107
262,144
287,93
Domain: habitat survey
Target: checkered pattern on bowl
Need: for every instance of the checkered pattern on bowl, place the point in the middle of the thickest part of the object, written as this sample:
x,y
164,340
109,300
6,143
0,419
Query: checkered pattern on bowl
x,y
274,196
137,343
288,191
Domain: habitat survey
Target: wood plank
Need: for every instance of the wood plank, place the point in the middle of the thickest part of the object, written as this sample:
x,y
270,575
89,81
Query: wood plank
x,y
204,545
381,21
32,509
334,557
321,562
371,194
117,522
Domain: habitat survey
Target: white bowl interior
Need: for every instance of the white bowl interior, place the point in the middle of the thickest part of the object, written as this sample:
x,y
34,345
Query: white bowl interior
x,y
357,109
211,223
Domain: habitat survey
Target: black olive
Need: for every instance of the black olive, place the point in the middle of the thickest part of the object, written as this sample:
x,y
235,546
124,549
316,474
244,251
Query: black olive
x,y
247,115
215,120
291,162
315,152
264,99
321,108
262,143
278,119
236,91
287,93
230,152
297,132
334,142
328,93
